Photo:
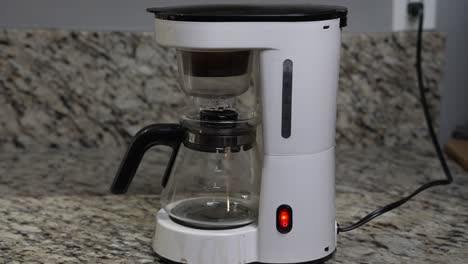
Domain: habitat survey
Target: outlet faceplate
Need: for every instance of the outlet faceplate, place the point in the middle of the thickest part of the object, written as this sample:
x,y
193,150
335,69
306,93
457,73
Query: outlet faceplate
x,y
402,21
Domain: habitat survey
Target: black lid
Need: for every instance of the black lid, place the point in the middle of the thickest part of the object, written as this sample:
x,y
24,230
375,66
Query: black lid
x,y
251,13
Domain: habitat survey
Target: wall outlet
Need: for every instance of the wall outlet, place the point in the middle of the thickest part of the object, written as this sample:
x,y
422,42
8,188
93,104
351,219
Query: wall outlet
x,y
403,22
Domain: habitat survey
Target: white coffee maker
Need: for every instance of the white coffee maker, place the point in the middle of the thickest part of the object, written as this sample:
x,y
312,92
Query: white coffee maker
x,y
251,178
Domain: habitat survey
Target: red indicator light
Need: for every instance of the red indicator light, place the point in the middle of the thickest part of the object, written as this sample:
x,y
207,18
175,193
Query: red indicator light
x,y
284,219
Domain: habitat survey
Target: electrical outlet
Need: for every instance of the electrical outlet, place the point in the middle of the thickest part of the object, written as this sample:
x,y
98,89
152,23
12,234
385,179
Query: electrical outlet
x,y
402,21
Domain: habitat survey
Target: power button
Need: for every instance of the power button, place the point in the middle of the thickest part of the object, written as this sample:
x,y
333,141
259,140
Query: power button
x,y
284,219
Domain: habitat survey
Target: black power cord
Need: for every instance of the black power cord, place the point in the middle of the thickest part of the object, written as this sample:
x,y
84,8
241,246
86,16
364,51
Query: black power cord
x,y
418,11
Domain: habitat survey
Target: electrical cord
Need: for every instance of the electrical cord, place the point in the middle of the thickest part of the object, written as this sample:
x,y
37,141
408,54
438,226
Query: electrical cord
x,y
435,141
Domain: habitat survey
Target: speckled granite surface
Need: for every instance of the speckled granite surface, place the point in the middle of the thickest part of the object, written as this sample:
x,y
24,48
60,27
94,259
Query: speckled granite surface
x,y
69,102
56,208
71,89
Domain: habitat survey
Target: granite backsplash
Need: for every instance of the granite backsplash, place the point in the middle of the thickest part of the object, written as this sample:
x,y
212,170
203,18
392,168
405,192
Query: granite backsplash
x,y
63,89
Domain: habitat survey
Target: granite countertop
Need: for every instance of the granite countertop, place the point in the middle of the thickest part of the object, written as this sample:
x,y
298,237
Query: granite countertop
x,y
55,208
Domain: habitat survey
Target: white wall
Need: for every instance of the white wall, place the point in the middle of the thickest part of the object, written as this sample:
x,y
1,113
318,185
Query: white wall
x,y
365,16
453,20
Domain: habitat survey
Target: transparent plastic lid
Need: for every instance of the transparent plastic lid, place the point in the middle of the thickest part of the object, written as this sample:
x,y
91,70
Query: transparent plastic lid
x,y
220,85
214,73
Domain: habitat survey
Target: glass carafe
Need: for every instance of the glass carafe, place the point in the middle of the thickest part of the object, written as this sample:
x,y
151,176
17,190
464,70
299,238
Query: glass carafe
x,y
213,190
212,179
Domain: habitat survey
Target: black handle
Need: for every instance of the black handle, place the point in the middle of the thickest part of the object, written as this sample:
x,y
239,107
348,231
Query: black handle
x,y
170,135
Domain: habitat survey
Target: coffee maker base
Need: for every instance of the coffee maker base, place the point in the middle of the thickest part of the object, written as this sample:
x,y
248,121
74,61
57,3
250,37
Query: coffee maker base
x,y
162,260
175,243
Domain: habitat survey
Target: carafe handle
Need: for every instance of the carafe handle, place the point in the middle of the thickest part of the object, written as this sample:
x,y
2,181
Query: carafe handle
x,y
170,135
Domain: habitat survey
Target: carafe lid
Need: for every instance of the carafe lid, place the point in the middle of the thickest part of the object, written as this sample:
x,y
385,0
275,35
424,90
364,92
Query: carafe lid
x,y
219,131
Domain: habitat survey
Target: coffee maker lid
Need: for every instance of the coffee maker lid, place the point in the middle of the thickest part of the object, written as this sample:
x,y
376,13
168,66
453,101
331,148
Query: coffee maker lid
x,y
251,13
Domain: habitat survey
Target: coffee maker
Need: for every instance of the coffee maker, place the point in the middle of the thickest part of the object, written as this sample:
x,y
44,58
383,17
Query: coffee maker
x,y
251,177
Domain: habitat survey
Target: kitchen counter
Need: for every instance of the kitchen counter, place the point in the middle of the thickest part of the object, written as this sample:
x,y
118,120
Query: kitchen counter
x,y
55,208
